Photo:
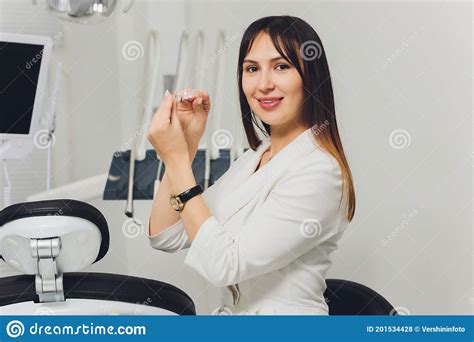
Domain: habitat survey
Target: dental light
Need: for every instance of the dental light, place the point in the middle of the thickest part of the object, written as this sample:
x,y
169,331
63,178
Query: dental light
x,y
84,11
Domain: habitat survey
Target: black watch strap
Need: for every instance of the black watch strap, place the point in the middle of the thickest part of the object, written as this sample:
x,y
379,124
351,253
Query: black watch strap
x,y
190,193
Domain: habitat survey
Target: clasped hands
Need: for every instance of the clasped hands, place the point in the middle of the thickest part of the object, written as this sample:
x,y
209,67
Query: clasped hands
x,y
178,125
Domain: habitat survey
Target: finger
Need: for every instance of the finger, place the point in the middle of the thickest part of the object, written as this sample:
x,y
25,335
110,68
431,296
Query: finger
x,y
174,116
201,93
164,113
206,101
198,107
160,107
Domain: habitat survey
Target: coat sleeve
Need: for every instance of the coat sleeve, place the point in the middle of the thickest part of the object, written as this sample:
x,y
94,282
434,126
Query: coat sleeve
x,y
299,213
171,239
174,238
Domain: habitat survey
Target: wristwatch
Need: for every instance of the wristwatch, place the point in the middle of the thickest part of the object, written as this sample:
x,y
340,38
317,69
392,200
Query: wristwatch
x,y
178,201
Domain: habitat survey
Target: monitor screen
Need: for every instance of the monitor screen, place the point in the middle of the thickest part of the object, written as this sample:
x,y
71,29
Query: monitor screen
x,y
20,65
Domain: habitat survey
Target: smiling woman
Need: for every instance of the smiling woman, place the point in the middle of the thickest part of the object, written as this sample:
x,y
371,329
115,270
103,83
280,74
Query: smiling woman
x,y
263,232
284,80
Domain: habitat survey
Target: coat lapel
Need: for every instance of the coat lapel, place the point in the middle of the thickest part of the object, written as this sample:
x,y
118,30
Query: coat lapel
x,y
244,184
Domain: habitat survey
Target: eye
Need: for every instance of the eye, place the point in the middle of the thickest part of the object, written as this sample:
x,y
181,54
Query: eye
x,y
249,68
285,66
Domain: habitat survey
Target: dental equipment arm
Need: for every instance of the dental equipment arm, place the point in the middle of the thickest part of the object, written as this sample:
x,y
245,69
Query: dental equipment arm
x,y
138,150
213,125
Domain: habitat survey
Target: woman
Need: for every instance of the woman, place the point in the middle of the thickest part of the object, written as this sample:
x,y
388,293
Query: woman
x,y
264,231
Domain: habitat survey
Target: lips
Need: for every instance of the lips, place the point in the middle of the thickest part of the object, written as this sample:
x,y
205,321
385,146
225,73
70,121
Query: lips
x,y
269,99
269,102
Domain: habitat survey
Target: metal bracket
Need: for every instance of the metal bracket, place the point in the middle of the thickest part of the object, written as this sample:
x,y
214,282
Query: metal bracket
x,y
48,281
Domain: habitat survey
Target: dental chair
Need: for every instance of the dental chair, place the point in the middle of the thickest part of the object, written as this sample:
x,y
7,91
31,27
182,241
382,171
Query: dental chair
x,y
345,297
50,242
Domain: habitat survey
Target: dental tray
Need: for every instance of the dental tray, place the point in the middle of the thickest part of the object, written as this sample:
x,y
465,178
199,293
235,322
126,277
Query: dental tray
x,y
146,172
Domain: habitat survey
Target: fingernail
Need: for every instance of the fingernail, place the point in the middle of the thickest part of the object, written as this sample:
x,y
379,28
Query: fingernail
x,y
167,92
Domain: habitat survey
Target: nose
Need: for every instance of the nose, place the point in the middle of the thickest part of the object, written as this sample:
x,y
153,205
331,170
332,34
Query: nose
x,y
266,82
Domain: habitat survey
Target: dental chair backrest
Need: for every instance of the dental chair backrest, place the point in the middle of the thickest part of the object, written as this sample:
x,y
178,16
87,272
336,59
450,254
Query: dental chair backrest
x,y
49,242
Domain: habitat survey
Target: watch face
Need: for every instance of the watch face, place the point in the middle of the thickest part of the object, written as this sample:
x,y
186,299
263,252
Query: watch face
x,y
176,203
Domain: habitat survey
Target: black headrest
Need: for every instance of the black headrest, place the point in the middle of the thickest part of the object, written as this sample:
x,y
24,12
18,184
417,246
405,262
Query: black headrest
x,y
60,207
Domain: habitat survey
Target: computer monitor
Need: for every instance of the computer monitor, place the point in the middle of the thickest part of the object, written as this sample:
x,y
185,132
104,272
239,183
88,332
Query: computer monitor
x,y
24,61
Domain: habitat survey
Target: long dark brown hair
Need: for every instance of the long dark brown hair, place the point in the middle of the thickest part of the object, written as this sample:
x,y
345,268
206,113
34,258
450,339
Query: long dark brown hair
x,y
295,39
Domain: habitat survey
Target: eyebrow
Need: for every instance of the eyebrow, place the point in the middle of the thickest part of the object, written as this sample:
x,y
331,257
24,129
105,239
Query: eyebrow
x,y
271,60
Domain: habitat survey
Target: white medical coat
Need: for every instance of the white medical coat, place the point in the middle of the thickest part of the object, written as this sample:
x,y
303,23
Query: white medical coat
x,y
268,241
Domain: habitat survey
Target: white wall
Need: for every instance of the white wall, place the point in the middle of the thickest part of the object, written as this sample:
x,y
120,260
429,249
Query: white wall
x,y
395,65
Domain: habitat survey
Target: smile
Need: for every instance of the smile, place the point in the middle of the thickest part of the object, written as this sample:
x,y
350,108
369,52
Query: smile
x,y
267,103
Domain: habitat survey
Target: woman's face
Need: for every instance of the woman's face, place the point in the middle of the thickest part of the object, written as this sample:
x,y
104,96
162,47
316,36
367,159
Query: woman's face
x,y
273,87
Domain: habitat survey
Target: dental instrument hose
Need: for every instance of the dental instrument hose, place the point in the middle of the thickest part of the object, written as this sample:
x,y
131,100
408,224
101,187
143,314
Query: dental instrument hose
x,y
7,188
